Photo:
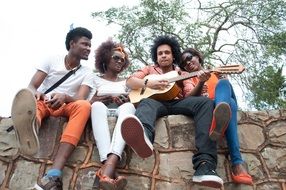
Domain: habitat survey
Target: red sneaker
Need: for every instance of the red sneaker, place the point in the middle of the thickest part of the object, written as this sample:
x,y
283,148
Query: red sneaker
x,y
133,133
221,117
239,174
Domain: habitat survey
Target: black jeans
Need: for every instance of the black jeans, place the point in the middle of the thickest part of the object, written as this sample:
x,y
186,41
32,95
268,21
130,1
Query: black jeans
x,y
198,107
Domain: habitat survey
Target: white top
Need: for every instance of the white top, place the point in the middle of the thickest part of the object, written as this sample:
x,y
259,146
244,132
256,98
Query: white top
x,y
55,69
106,87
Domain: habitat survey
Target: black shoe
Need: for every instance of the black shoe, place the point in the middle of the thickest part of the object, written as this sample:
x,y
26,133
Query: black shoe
x,y
50,183
206,175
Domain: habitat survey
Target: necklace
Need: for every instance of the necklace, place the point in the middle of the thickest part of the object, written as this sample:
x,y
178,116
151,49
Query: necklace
x,y
67,64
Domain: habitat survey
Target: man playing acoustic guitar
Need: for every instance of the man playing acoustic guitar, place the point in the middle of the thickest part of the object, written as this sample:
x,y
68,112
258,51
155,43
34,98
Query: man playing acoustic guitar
x,y
138,131
220,89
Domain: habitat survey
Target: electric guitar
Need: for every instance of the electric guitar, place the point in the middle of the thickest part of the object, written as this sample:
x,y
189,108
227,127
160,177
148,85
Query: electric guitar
x,y
173,90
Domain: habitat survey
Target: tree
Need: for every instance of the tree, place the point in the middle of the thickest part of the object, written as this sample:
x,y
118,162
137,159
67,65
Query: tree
x,y
249,32
267,85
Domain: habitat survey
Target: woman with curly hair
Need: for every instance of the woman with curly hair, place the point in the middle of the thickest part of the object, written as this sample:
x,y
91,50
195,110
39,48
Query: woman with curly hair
x,y
111,95
219,88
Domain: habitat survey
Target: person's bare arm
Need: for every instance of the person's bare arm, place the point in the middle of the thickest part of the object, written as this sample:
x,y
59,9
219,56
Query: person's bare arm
x,y
203,76
82,94
36,81
136,83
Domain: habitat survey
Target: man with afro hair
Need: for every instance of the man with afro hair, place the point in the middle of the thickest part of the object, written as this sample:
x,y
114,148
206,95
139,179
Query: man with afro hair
x,y
139,131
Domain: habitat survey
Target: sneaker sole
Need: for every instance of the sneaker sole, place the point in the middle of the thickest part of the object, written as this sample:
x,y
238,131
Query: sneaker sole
x,y
133,134
120,183
105,185
37,187
222,114
212,181
23,115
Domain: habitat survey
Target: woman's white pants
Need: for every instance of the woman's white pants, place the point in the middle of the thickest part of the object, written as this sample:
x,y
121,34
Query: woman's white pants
x,y
101,132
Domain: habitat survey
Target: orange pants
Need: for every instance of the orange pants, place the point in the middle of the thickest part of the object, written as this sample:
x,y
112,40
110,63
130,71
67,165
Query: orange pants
x,y
77,112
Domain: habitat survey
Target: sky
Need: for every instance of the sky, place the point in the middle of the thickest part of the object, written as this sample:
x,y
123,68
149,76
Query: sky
x,y
33,29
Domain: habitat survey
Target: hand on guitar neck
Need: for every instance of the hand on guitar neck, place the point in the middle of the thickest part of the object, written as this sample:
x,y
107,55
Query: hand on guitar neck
x,y
172,90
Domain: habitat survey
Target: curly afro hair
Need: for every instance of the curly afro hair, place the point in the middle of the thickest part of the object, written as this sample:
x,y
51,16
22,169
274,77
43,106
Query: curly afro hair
x,y
172,42
75,34
104,52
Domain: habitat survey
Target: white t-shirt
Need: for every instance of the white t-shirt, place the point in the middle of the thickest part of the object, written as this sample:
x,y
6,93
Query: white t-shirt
x,y
112,88
55,69
106,87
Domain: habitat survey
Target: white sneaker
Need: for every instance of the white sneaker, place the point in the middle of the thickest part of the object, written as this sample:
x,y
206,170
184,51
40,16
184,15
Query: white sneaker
x,y
23,115
133,133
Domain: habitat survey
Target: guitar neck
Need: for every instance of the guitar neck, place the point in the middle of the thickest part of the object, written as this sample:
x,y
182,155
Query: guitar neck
x,y
184,77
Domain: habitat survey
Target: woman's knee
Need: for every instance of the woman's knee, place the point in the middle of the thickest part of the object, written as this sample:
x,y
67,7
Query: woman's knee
x,y
233,105
98,106
223,83
99,109
206,101
128,107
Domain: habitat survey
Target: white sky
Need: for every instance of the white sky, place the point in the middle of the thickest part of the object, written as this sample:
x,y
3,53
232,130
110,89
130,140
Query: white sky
x,y
33,29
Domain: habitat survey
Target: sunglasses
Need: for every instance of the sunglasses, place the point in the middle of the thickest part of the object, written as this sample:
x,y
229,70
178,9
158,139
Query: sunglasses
x,y
117,58
188,57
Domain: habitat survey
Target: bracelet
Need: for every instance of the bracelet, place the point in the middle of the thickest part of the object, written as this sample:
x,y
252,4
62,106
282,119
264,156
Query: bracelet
x,y
145,82
144,87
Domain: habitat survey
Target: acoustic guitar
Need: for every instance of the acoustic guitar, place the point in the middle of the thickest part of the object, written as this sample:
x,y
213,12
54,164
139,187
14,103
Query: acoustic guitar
x,y
173,90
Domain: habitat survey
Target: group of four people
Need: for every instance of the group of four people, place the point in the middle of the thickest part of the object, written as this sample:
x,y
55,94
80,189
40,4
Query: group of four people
x,y
84,95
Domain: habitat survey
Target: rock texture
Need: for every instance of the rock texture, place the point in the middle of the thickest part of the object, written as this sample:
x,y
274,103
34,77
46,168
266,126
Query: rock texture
x,y
262,139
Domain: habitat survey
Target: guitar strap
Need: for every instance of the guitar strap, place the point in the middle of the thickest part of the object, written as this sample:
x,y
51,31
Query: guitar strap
x,y
62,79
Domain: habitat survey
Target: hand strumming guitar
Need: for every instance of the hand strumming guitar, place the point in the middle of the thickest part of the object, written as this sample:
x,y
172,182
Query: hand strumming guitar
x,y
204,75
157,84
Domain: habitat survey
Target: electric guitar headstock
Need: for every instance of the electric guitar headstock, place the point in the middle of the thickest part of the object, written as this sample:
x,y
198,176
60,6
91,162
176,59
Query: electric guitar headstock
x,y
229,69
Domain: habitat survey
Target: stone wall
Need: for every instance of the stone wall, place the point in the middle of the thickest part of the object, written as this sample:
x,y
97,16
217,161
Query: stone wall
x,y
263,143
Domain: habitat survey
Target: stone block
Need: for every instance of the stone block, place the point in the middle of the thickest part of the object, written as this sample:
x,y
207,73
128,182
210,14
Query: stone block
x,y
8,143
250,136
143,165
3,170
136,182
176,165
78,156
49,136
272,155
277,132
170,186
85,179
25,175
161,134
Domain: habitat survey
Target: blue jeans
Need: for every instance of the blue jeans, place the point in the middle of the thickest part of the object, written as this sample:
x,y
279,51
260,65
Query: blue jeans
x,y
199,108
224,93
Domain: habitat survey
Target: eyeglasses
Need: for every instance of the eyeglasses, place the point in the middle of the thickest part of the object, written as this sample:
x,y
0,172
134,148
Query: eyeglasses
x,y
118,58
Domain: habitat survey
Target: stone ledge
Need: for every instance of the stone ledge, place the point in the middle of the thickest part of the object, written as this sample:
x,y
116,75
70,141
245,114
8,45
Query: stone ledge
x,y
263,143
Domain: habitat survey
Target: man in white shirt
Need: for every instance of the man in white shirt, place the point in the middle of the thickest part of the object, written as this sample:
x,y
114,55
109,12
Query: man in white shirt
x,y
34,103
